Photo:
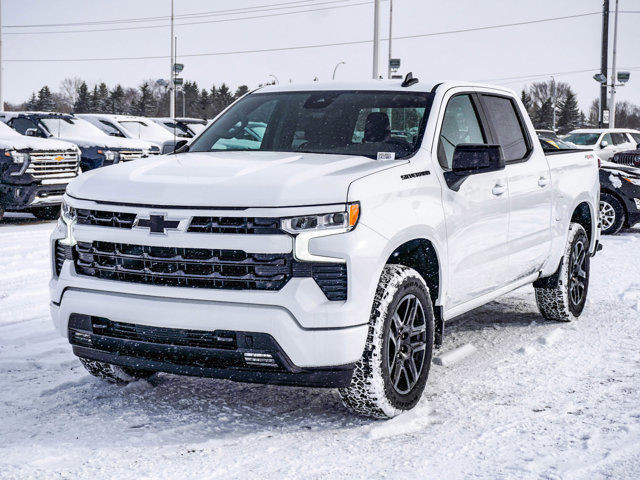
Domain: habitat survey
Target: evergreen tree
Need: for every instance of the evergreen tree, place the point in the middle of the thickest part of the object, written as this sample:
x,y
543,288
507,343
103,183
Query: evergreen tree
x,y
526,100
203,105
544,116
191,94
83,101
569,113
102,99
45,101
240,91
146,104
32,103
116,101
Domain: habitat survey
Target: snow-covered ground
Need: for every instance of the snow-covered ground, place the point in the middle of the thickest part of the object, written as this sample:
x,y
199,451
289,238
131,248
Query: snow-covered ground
x,y
534,400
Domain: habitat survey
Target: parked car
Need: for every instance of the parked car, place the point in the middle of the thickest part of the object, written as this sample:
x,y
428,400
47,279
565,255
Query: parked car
x,y
34,172
604,142
129,126
97,148
331,254
619,197
628,157
551,143
182,127
547,134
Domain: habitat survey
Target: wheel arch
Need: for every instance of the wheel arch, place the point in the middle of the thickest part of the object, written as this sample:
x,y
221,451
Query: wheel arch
x,y
622,201
582,215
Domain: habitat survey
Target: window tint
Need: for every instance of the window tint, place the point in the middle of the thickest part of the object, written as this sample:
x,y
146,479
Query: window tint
x,y
607,138
21,125
619,138
111,129
459,125
508,130
635,136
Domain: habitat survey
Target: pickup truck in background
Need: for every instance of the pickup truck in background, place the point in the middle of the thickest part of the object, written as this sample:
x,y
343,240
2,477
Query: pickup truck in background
x,y
182,127
129,126
330,251
34,173
98,149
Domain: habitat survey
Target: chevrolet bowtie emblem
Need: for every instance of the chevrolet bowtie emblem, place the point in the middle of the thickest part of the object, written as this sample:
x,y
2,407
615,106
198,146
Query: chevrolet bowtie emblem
x,y
59,158
157,224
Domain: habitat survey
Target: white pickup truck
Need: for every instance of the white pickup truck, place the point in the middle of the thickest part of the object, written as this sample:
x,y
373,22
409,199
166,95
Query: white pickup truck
x,y
331,251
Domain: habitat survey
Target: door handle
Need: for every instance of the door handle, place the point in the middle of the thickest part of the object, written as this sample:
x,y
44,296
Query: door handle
x,y
543,181
498,189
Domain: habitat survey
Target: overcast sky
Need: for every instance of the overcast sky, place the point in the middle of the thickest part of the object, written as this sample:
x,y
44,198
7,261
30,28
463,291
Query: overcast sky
x,y
497,55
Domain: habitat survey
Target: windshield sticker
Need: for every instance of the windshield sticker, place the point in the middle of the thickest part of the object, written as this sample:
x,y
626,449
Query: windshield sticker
x,y
386,155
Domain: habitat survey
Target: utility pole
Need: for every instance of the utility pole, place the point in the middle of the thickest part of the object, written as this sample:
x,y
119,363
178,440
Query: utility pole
x,y
390,38
376,37
172,87
554,100
614,74
604,62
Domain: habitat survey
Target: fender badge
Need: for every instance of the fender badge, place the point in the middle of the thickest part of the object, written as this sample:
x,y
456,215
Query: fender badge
x,y
415,174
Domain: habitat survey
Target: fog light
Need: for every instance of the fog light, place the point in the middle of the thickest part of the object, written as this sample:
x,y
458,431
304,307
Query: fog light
x,y
637,200
259,360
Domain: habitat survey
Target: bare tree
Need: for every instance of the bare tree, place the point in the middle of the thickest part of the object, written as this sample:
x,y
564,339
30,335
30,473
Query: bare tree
x,y
69,89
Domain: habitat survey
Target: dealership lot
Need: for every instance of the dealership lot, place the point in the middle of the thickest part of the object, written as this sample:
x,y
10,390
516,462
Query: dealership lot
x,y
535,399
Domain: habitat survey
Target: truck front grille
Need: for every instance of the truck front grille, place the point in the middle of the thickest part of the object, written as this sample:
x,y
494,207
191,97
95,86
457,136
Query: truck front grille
x,y
631,159
127,155
237,225
53,165
204,268
100,218
183,267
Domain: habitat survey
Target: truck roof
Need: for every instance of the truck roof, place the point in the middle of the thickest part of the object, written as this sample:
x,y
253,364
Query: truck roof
x,y
604,130
390,85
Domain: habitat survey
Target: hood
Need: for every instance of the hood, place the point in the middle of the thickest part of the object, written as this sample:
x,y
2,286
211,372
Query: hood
x,y
20,142
626,170
232,179
106,141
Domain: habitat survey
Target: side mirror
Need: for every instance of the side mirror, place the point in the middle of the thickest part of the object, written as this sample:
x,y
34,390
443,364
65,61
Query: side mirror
x,y
180,146
32,132
604,144
471,159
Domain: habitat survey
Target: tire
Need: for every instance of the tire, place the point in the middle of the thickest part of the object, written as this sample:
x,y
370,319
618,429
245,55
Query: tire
x,y
114,373
562,296
46,213
392,373
612,214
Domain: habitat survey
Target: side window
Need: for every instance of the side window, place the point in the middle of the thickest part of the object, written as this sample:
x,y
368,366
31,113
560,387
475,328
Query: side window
x,y
635,136
21,125
111,129
459,125
509,131
606,138
618,138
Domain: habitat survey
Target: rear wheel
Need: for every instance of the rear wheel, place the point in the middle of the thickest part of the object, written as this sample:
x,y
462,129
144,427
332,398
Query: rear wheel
x,y
114,373
612,214
46,213
392,373
562,296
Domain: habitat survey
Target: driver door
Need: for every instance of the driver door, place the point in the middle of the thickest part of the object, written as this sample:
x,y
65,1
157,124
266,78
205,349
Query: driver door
x,y
477,214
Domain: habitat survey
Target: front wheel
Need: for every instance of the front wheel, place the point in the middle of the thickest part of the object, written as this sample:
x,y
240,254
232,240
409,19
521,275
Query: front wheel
x,y
562,296
612,214
392,373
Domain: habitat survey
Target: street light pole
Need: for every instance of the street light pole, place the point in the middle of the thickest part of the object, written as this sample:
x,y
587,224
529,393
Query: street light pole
x,y
553,97
376,37
1,97
614,79
390,37
172,87
604,62
333,77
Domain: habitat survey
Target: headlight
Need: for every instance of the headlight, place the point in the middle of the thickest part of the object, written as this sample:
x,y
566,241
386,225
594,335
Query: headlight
x,y
17,157
109,155
345,220
635,181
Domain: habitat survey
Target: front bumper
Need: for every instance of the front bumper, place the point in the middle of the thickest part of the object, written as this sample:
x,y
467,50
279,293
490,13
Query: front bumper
x,y
20,197
311,331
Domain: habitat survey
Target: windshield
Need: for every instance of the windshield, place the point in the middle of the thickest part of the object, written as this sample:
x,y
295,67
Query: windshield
x,y
582,138
70,127
7,131
336,122
146,131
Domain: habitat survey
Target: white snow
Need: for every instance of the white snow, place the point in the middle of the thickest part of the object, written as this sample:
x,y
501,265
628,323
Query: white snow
x,y
564,410
551,337
454,356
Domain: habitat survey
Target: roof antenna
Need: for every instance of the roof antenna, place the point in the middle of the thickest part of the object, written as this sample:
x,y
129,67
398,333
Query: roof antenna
x,y
409,80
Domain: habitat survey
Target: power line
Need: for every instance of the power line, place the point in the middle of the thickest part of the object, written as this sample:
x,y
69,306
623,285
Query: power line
x,y
304,47
232,11
146,27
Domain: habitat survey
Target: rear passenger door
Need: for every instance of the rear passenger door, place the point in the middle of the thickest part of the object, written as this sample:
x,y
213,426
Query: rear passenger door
x,y
476,214
530,193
